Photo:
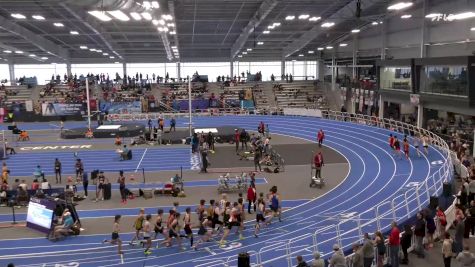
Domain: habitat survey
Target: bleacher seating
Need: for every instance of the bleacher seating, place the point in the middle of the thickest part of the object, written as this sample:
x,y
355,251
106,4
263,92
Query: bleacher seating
x,y
299,95
16,93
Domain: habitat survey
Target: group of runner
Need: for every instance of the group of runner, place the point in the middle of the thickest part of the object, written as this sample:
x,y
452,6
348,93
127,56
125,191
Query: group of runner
x,y
419,142
215,222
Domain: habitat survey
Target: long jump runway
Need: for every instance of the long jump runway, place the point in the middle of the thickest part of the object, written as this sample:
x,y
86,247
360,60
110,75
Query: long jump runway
x,y
375,177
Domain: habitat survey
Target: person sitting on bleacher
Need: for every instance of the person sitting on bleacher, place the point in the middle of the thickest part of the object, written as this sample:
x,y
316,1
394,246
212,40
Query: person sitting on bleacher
x,y
124,153
3,197
118,141
24,136
45,184
23,185
21,196
35,185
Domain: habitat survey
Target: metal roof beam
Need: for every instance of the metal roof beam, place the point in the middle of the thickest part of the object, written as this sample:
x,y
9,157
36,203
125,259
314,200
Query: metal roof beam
x,y
347,11
266,7
38,41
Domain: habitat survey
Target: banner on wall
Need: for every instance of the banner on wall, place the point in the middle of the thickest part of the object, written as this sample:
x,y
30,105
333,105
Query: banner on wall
x,y
121,107
57,109
29,105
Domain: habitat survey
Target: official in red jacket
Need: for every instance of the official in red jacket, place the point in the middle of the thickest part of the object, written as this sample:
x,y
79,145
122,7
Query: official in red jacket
x,y
251,197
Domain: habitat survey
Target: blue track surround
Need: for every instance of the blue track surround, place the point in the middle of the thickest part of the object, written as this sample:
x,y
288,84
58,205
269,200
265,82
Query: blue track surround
x,y
375,177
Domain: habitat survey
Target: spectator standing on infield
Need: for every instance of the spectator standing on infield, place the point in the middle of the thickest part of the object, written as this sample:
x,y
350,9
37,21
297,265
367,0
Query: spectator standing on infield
x,y
57,170
318,163
419,233
320,137
173,124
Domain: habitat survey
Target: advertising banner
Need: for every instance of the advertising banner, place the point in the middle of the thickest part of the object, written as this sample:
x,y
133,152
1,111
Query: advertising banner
x,y
57,109
40,214
121,107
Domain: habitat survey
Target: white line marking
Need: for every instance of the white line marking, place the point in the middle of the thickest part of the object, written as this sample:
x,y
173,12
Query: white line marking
x,y
140,162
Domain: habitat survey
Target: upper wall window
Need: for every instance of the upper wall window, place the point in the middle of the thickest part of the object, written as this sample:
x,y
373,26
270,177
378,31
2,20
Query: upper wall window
x,y
449,80
396,78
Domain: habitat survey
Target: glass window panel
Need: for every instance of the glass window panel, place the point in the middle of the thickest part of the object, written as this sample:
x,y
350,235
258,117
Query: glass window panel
x,y
4,73
396,78
212,69
84,69
42,72
451,80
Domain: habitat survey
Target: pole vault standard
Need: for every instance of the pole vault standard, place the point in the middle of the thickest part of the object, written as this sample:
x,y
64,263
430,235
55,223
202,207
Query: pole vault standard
x,y
189,104
88,105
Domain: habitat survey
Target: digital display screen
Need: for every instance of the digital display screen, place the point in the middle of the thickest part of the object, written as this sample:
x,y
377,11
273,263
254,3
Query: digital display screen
x,y
108,127
40,214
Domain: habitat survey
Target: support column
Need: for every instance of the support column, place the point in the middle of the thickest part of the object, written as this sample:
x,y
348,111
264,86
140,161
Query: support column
x,y
231,68
333,73
282,69
423,47
305,69
11,69
355,55
68,69
420,115
381,107
178,70
124,69
320,69
383,39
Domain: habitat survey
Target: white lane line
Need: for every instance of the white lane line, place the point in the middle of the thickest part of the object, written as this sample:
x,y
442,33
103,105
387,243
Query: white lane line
x,y
140,162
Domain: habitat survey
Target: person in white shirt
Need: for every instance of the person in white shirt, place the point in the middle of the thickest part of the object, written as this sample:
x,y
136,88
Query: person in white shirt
x,y
45,185
23,185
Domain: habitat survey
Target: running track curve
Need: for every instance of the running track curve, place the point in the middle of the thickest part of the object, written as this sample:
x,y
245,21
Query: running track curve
x,y
375,176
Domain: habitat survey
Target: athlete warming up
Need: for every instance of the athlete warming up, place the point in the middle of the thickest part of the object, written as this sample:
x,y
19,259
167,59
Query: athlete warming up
x,y
320,137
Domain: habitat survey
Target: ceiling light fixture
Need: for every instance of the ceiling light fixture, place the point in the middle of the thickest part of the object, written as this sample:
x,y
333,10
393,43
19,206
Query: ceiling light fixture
x,y
146,16
329,47
146,4
161,22
406,16
105,54
271,27
7,51
240,56
44,58
38,17
32,55
433,15
135,16
314,18
343,45
74,32
155,4
461,16
99,51
320,48
400,5
244,53
167,17
171,25
266,32
374,23
117,62
311,52
118,14
290,18
355,31
92,49
300,55
101,15
304,16
173,32
18,16
58,24
111,57
276,24
249,49
155,22
260,43
83,47
328,24
472,29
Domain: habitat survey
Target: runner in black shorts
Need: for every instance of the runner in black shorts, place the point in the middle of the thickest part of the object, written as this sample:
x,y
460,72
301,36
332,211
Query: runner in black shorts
x,y
187,222
158,229
215,218
115,239
259,215
147,234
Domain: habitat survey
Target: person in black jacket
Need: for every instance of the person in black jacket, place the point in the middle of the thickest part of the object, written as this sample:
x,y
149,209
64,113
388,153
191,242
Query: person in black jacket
x,y
406,243
301,262
419,232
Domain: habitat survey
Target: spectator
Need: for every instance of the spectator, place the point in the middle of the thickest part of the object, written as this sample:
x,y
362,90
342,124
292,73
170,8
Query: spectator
x,y
338,258
368,251
35,185
406,243
447,249
419,233
45,185
301,262
471,217
394,243
317,261
442,220
357,258
459,232
466,258
380,246
22,196
23,185
57,170
15,184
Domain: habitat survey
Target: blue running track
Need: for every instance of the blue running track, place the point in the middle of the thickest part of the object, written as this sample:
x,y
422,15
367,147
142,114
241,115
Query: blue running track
x,y
375,177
